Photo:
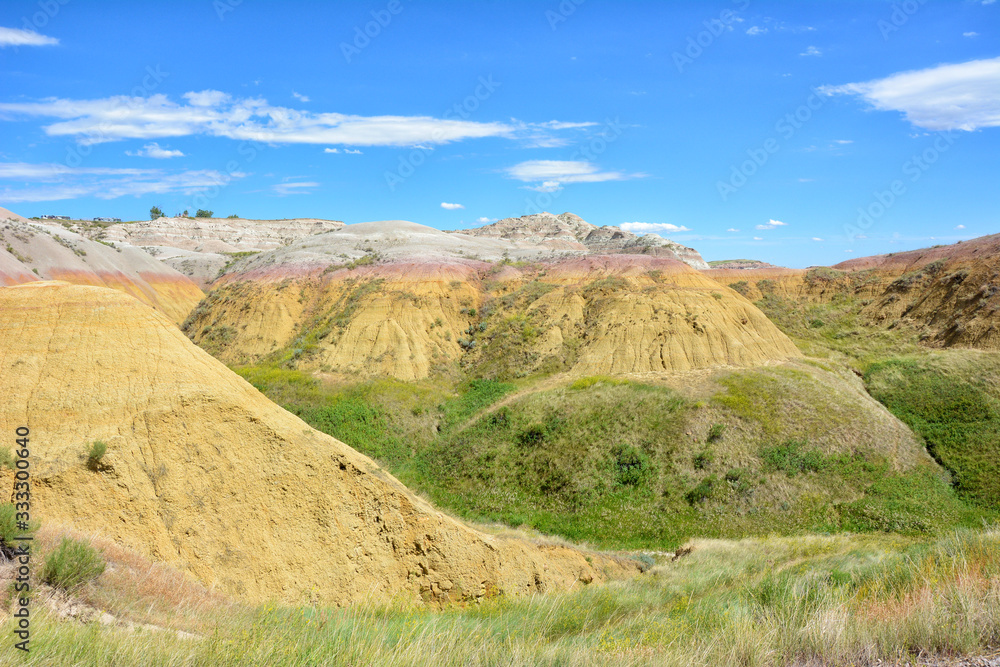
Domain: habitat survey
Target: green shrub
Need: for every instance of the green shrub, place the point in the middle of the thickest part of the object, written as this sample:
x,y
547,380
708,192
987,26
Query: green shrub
x,y
701,492
72,564
631,465
715,433
6,459
96,454
791,458
703,459
8,524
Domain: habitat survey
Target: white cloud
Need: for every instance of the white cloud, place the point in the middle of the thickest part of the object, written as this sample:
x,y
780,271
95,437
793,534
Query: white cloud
x,y
772,224
970,34
756,30
960,227
965,96
450,207
206,98
758,238
732,229
51,182
988,2
816,238
155,151
861,236
294,188
345,151
300,97
484,220
843,142
215,113
553,174
559,125
17,37
811,51
651,227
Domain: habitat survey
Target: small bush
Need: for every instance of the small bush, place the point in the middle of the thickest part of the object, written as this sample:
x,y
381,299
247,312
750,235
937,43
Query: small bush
x,y
6,460
72,564
96,454
8,525
631,466
701,492
734,474
703,459
791,458
715,433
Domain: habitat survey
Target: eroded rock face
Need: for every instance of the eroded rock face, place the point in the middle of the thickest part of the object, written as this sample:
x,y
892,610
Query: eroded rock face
x,y
398,318
204,473
30,251
569,232
200,248
951,294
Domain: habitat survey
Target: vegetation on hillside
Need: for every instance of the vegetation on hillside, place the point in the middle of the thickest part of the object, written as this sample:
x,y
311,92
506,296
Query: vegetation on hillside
x,y
621,464
952,400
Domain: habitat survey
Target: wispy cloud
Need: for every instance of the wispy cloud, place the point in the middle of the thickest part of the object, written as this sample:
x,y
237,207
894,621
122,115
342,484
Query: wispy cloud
x,y
970,34
756,30
551,175
294,188
450,207
345,151
758,238
215,113
772,224
652,227
484,220
732,229
816,238
155,151
51,182
17,37
964,96
300,97
811,51
960,227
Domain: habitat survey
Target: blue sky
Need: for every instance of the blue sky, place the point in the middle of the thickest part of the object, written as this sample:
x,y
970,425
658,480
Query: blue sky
x,y
818,130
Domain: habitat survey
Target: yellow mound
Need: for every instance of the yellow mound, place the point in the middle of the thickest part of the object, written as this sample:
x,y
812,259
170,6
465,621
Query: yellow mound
x,y
618,314
204,473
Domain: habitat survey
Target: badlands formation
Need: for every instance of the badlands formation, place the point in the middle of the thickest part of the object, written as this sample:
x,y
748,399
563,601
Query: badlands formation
x,y
951,293
570,233
30,251
400,299
204,473
201,247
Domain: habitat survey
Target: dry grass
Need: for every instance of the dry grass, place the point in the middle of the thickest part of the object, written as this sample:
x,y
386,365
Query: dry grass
x,y
772,601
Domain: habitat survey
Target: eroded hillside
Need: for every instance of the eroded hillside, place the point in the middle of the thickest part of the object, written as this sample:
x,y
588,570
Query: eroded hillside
x,y
30,251
204,473
430,300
